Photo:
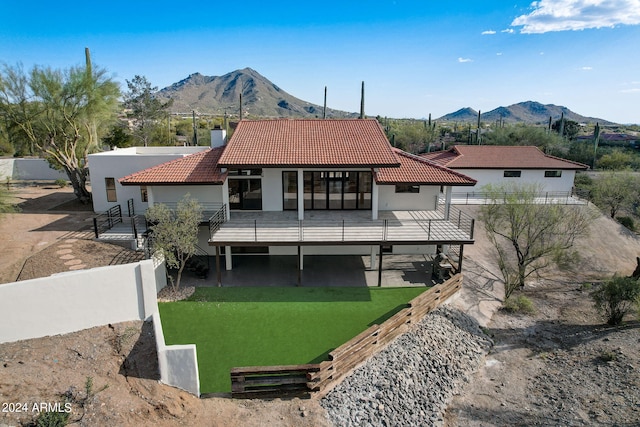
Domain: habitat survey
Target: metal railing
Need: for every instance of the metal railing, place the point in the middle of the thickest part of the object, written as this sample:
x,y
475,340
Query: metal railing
x,y
545,197
458,228
217,219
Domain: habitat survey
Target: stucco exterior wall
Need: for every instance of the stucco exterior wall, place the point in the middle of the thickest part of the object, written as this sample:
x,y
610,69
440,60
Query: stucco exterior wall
x,y
389,200
120,163
528,176
175,193
19,169
69,302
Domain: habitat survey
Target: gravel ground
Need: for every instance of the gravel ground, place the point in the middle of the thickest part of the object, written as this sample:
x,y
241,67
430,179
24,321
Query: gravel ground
x,y
411,381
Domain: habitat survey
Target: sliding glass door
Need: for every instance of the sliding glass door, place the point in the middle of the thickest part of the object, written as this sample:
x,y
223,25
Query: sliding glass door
x,y
337,190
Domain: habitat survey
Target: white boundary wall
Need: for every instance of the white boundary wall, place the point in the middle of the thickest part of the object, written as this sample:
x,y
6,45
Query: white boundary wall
x,y
29,170
178,363
70,302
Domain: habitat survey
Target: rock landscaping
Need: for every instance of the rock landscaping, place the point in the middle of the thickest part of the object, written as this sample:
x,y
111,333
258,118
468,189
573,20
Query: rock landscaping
x,y
411,381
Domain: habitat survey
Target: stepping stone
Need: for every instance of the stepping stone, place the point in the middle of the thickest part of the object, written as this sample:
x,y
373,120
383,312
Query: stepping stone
x,y
73,262
71,240
77,267
64,251
69,256
66,245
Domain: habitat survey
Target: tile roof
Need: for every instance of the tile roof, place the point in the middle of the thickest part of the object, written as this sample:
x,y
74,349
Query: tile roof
x,y
312,143
417,170
500,157
195,169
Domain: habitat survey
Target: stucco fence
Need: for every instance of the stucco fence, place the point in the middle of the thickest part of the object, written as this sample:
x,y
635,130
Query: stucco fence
x,y
20,169
72,301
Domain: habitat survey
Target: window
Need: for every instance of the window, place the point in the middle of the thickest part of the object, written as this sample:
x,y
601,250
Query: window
x,y
245,194
512,174
245,172
143,193
552,174
337,190
290,190
407,188
110,184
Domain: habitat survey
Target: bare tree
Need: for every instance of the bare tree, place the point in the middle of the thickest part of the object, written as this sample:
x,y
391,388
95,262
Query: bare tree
x,y
529,237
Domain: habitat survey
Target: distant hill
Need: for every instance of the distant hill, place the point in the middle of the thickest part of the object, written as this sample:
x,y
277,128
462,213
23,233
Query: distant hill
x,y
220,94
523,112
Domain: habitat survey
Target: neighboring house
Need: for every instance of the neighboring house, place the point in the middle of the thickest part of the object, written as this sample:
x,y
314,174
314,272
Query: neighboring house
x,y
284,187
493,164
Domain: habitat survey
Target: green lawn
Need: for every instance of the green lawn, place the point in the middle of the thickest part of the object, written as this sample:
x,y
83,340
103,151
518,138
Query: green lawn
x,y
234,327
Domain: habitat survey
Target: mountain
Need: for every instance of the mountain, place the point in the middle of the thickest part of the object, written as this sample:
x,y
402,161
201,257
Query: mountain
x,y
524,112
220,94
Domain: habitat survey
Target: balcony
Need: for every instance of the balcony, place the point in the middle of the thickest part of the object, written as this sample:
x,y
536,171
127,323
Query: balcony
x,y
341,228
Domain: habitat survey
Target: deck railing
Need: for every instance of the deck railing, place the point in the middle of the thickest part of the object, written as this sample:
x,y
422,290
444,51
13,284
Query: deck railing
x,y
458,228
545,197
217,219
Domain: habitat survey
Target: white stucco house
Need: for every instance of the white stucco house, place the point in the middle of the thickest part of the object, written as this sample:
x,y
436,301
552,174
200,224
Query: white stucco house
x,y
299,187
492,164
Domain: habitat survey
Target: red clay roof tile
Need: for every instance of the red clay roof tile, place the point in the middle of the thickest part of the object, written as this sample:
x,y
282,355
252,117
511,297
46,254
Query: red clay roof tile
x,y
500,157
416,170
198,168
312,143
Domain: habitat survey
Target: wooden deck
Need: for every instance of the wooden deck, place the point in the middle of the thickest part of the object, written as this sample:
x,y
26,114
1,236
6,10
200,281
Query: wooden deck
x,y
350,228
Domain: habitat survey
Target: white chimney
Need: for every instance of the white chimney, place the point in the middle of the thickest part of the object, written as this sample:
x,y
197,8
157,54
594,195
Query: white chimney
x,y
218,137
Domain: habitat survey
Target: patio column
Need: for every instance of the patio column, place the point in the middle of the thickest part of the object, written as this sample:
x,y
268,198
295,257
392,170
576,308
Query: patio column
x,y
300,189
372,260
380,268
150,196
299,266
374,200
227,258
225,197
300,258
447,202
218,270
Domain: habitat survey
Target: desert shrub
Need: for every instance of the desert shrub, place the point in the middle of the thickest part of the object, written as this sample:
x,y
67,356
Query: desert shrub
x,y
519,304
52,419
61,182
627,221
615,298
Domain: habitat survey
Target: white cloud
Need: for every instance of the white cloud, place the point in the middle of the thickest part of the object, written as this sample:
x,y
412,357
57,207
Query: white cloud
x,y
586,68
462,60
508,30
633,90
488,33
499,54
565,15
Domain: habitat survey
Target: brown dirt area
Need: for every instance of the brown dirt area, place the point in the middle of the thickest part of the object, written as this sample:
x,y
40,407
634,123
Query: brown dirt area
x,y
559,366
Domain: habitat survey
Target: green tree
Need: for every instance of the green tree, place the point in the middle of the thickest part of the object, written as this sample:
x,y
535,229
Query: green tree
x,y
613,191
58,112
616,160
175,233
523,135
615,298
569,128
529,237
144,108
118,136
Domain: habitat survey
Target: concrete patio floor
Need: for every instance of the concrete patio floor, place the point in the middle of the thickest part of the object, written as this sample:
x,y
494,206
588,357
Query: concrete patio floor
x,y
319,270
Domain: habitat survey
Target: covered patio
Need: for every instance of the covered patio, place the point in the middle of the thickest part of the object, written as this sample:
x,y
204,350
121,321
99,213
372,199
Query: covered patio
x,y
330,228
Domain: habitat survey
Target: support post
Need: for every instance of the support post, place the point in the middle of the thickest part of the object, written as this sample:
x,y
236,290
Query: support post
x,y
372,260
228,261
300,194
460,259
218,271
374,199
380,268
299,267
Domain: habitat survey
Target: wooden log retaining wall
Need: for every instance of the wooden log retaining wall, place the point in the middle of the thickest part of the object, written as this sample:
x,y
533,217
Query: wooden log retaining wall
x,y
320,378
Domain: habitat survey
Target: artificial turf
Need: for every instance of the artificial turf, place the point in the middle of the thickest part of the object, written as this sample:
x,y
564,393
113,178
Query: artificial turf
x,y
234,327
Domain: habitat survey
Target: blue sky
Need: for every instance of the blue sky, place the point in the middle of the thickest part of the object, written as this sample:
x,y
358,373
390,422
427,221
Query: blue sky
x,y
415,57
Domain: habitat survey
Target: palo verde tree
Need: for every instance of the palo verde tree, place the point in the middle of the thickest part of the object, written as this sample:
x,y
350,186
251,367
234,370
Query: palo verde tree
x,y
528,236
144,108
175,233
61,112
613,191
